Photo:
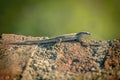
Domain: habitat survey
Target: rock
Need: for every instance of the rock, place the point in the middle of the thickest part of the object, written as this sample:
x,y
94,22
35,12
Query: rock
x,y
66,60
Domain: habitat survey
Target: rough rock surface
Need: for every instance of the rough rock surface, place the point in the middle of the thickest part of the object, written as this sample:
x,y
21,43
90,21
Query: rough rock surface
x,y
99,60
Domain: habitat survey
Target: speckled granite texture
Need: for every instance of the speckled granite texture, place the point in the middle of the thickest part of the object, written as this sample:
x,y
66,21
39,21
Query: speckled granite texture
x,y
99,60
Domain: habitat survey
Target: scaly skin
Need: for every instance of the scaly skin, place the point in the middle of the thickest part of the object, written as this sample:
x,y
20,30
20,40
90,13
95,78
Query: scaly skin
x,y
62,38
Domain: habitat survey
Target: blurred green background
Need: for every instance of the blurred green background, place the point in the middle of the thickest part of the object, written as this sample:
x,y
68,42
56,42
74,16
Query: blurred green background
x,y
56,17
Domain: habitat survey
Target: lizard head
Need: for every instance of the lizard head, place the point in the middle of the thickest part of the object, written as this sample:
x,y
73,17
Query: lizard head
x,y
83,34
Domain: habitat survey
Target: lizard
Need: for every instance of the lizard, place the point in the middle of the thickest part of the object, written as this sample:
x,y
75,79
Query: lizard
x,y
62,38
